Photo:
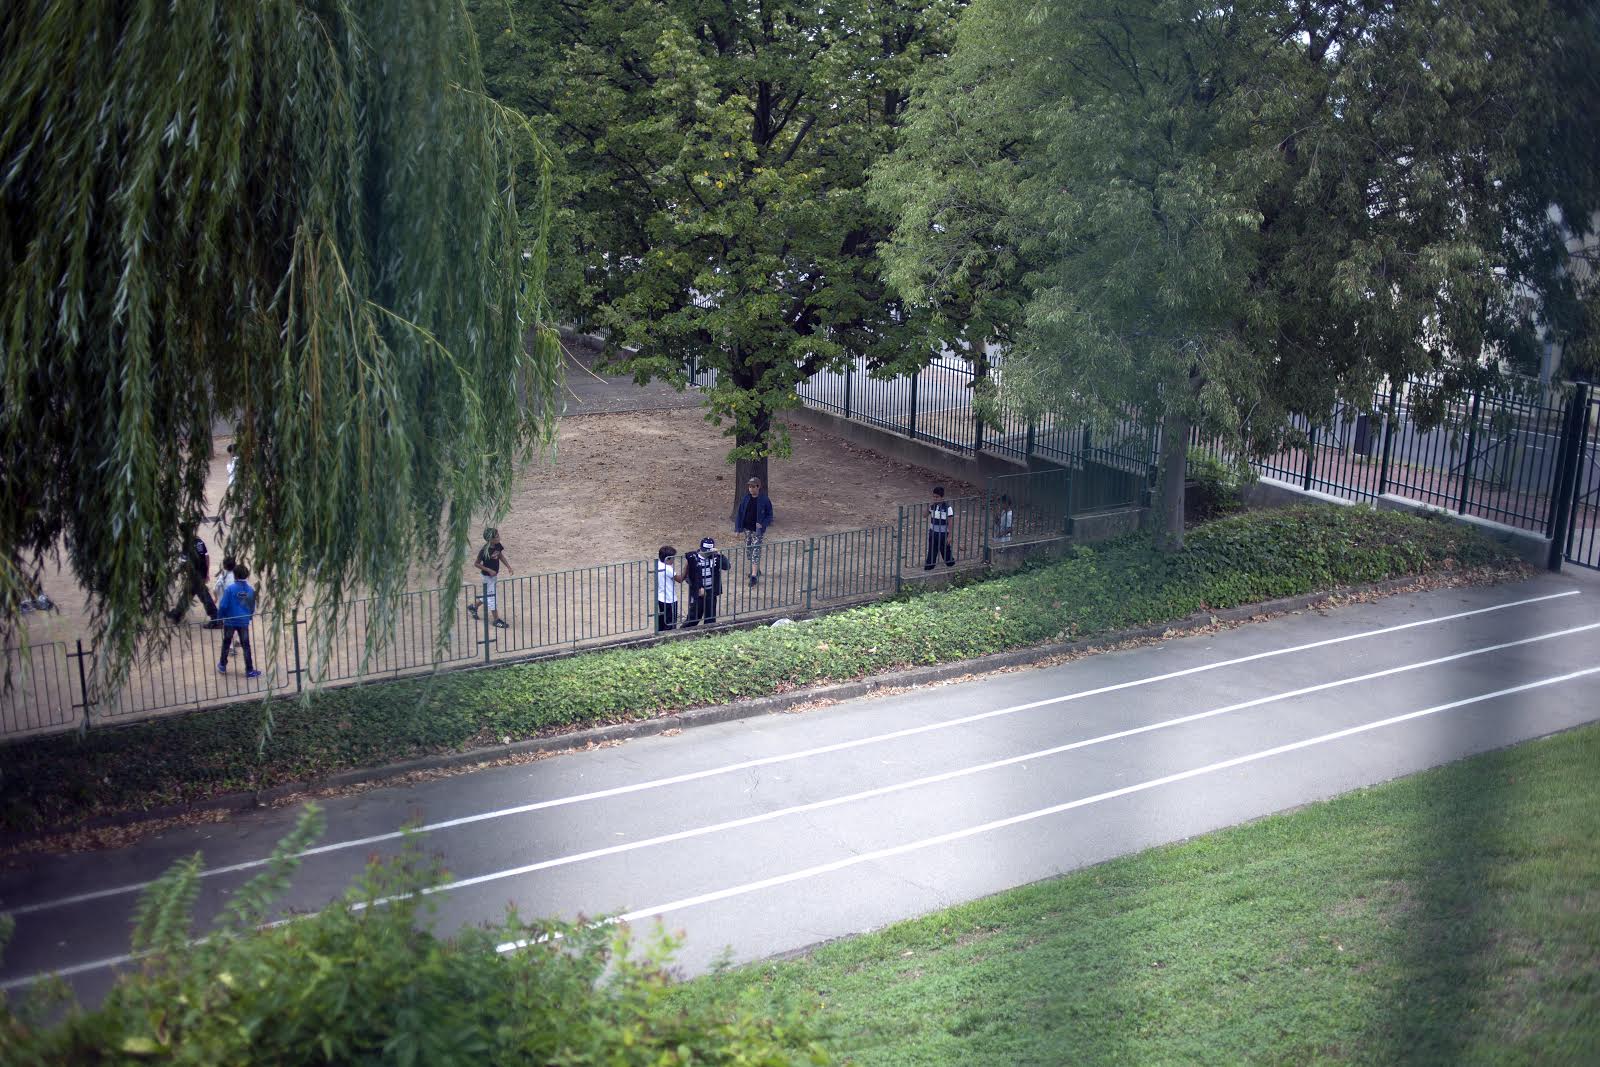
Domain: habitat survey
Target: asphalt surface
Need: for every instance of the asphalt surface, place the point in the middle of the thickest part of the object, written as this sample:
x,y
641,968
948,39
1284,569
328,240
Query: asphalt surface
x,y
769,834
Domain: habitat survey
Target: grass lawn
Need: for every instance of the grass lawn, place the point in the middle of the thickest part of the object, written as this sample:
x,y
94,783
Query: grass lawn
x,y
1449,917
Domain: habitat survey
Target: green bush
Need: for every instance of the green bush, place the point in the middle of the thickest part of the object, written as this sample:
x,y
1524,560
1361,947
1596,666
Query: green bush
x,y
57,782
368,982
1216,489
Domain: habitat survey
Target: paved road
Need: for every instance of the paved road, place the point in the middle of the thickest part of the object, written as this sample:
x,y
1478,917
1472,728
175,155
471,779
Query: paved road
x,y
773,833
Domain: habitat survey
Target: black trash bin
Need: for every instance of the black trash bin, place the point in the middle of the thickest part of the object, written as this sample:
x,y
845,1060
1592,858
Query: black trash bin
x,y
1365,437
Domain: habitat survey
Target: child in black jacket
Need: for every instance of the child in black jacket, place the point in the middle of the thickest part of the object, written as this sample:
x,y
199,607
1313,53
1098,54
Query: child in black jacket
x,y
703,569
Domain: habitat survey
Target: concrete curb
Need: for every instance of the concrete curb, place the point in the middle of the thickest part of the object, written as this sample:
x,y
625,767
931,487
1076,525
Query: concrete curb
x,y
706,716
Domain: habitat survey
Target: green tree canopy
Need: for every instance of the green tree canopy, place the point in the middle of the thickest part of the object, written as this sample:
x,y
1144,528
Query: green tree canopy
x,y
1228,213
715,163
296,219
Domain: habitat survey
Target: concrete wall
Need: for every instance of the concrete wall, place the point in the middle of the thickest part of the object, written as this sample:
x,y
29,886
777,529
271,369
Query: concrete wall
x,y
1086,529
1533,547
976,469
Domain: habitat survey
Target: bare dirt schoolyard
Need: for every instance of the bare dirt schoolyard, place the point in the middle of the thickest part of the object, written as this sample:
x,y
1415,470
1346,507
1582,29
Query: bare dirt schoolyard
x,y
633,469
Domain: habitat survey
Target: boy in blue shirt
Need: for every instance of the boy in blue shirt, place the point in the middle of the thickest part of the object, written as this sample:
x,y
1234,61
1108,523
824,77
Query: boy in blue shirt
x,y
238,607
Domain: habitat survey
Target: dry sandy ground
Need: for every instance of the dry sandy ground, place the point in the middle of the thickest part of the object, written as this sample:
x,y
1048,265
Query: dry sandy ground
x,y
618,487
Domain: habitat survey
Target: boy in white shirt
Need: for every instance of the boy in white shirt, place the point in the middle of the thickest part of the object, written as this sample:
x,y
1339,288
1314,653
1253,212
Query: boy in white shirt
x,y
667,577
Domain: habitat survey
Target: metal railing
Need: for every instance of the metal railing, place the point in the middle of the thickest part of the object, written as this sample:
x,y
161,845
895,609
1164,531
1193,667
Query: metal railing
x,y
1491,454
53,689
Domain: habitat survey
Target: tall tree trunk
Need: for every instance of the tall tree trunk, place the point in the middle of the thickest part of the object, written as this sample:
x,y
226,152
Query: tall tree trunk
x,y
1174,472
745,469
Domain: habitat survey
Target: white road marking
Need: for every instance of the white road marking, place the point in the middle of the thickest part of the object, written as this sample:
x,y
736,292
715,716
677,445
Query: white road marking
x,y
962,772
941,839
1056,809
767,761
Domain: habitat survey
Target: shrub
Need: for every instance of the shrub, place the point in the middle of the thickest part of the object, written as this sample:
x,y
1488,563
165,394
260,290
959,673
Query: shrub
x,y
365,982
1216,489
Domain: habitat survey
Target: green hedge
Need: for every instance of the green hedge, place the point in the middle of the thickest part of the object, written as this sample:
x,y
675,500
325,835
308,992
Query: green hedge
x,y
58,782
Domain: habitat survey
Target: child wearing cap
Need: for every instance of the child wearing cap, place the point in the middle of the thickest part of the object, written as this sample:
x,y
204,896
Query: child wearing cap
x,y
751,518
704,572
667,577
490,557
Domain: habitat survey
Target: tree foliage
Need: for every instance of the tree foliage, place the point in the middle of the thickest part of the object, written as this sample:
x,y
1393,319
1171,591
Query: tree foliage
x,y
1225,214
715,159
295,220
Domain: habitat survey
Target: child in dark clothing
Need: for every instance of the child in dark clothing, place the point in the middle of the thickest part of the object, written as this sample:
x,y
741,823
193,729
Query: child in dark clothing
x,y
196,564
490,557
704,572
941,520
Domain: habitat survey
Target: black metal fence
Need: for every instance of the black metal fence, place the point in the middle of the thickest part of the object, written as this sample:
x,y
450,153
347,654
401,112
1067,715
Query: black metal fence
x,y
1493,454
53,683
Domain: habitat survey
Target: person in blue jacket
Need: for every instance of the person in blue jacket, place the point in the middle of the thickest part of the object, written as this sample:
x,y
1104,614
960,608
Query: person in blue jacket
x,y
751,518
238,607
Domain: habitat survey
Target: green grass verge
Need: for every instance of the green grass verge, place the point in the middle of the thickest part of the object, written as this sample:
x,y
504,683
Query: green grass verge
x,y
1450,917
59,782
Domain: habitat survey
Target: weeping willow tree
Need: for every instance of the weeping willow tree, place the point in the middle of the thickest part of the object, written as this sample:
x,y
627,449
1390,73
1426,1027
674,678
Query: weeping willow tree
x,y
295,219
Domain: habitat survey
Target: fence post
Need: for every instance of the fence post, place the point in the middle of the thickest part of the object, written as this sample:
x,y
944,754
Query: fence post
x,y
1311,453
1066,503
484,615
83,682
849,375
1390,418
811,556
1027,450
977,433
988,504
1472,443
1573,428
294,630
911,428
899,546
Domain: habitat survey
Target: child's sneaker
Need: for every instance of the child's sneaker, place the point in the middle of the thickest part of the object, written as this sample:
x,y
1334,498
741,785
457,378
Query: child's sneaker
x,y
472,609
502,624
252,674
222,668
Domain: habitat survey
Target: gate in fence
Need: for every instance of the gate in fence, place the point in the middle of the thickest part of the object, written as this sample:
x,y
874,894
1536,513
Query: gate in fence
x,y
1574,527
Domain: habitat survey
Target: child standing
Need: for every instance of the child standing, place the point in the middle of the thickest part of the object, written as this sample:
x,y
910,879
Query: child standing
x,y
667,579
704,571
236,611
940,523
1003,520
752,518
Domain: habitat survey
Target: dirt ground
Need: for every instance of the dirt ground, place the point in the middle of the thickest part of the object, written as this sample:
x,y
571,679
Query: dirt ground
x,y
619,485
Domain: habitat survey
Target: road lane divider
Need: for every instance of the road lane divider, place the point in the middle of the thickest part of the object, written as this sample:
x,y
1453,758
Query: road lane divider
x,y
785,757
961,772
749,887
1056,809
